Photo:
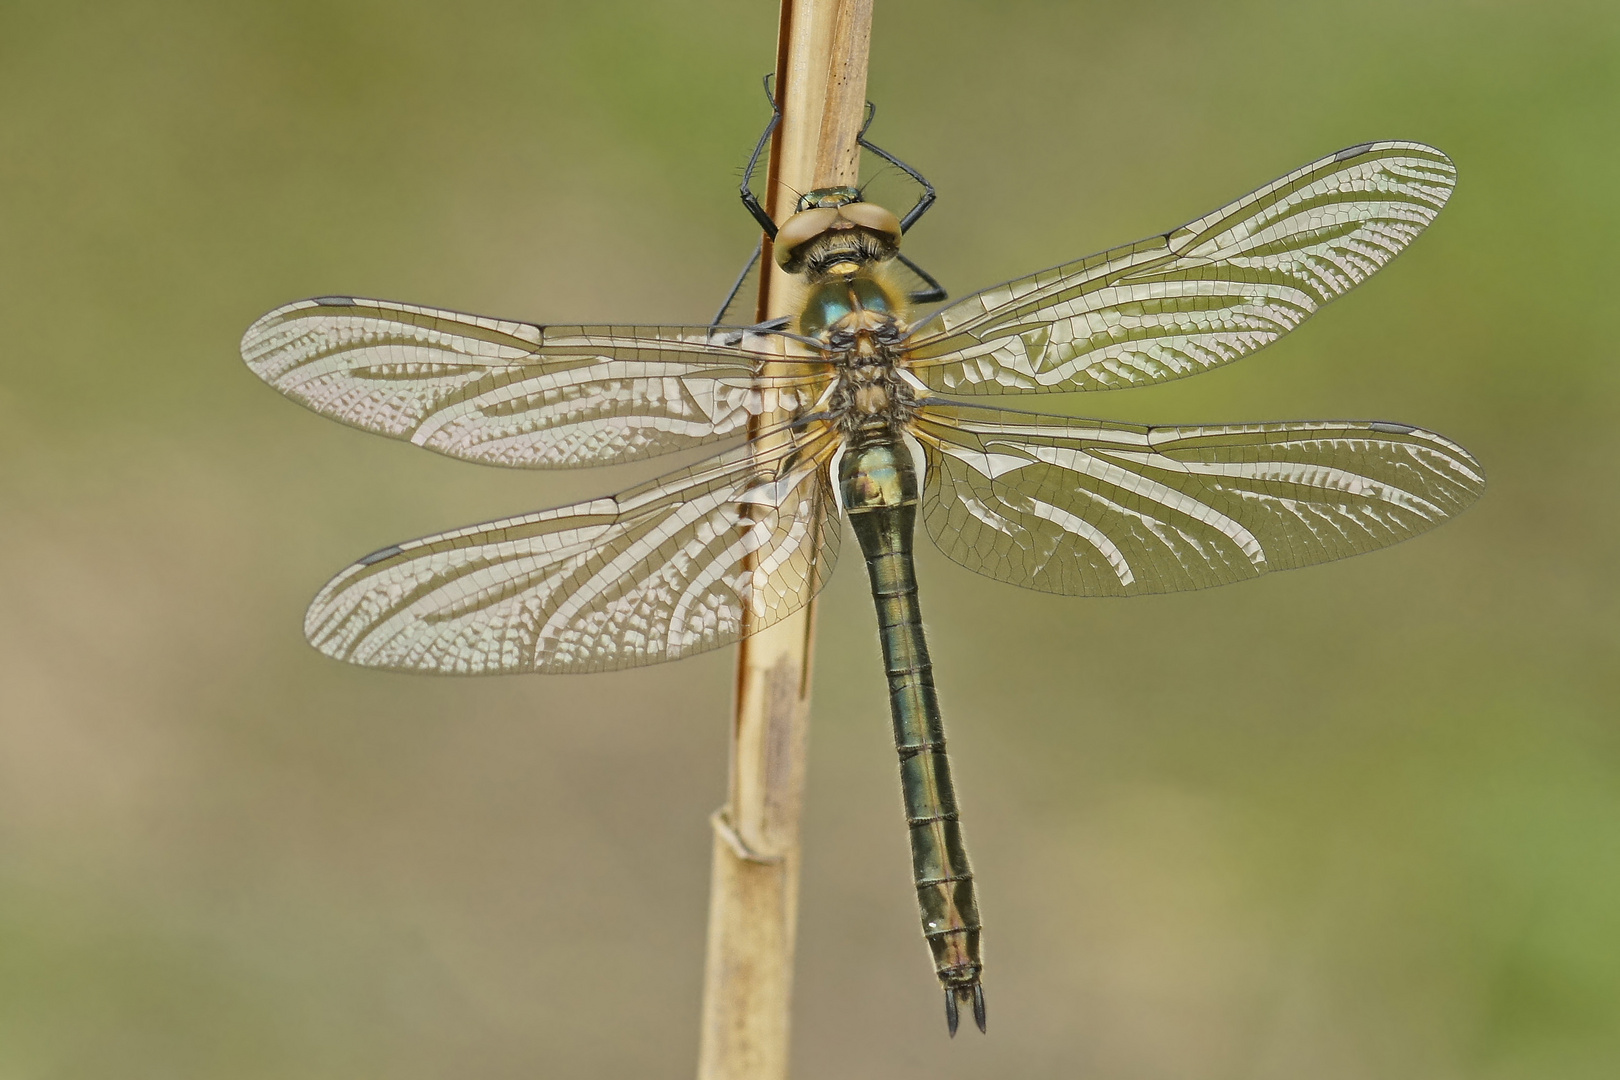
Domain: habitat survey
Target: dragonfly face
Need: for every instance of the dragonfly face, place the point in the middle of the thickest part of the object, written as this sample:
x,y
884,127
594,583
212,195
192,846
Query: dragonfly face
x,y
881,428
834,233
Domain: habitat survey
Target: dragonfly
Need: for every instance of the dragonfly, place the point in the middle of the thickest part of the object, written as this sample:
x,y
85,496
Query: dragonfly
x,y
863,407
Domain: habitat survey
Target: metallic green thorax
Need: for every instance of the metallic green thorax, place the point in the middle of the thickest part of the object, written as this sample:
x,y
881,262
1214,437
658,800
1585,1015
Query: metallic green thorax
x,y
878,483
834,301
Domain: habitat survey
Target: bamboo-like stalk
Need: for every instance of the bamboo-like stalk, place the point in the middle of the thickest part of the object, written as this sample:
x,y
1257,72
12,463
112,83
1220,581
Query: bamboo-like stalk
x,y
822,48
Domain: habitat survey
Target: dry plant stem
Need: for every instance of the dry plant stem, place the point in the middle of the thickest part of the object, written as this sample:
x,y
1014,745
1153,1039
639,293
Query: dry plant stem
x,y
753,906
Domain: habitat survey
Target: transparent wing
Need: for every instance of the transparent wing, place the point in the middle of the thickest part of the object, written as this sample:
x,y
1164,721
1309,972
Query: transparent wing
x,y
660,571
513,393
1093,508
1199,296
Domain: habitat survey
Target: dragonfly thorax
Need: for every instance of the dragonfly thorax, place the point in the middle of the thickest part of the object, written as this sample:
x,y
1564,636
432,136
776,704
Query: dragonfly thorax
x,y
855,318
842,308
870,394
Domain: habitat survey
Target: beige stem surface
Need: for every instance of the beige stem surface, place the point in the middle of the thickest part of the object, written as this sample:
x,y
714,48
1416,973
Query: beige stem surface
x,y
753,905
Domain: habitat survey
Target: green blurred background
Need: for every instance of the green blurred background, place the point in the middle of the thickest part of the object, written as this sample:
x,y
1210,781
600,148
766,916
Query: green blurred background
x,y
1356,823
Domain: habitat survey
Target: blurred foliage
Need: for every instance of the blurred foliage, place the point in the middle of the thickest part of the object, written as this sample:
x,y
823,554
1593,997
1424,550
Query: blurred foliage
x,y
1358,823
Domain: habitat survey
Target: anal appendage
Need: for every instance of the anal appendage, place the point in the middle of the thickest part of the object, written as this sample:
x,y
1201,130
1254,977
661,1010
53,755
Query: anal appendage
x,y
955,995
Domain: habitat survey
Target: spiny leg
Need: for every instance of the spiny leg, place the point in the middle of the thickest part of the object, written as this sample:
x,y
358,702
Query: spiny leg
x,y
935,292
931,295
751,201
748,198
926,199
736,286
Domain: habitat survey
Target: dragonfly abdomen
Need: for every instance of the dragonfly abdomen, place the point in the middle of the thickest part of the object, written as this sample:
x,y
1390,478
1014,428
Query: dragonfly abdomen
x,y
879,488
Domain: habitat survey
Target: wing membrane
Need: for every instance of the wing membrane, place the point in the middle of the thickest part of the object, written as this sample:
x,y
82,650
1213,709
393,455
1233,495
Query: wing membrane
x,y
1094,508
1216,289
661,571
514,393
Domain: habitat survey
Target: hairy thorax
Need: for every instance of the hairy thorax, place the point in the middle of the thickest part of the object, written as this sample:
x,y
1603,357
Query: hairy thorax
x,y
870,393
857,320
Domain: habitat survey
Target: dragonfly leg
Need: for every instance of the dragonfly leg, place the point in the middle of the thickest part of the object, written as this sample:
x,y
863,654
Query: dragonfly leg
x,y
931,295
925,200
736,286
747,192
935,291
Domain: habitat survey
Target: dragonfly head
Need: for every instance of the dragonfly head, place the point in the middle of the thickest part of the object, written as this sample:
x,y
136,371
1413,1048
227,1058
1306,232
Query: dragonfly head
x,y
833,197
834,233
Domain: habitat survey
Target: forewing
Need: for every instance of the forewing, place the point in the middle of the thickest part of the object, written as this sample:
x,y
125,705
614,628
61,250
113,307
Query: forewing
x,y
514,393
1093,508
1197,297
658,572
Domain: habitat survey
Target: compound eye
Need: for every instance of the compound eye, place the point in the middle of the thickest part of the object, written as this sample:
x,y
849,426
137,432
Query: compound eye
x,y
874,218
799,230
